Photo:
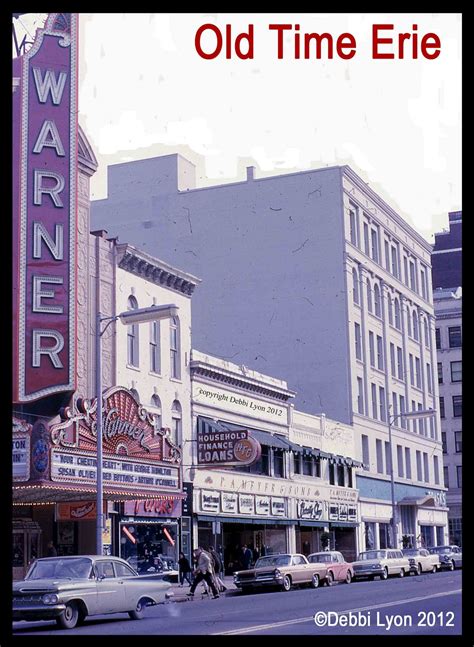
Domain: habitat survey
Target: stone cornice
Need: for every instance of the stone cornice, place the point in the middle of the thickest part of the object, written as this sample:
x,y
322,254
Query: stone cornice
x,y
154,270
199,368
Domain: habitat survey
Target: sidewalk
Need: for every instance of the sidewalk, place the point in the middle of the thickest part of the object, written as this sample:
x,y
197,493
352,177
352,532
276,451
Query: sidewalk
x,y
179,592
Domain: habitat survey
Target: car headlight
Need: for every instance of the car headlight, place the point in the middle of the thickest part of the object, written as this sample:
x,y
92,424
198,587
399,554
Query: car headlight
x,y
277,573
376,565
50,598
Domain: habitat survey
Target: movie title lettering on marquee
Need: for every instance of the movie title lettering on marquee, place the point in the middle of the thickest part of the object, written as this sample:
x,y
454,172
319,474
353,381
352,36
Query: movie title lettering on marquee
x,y
45,212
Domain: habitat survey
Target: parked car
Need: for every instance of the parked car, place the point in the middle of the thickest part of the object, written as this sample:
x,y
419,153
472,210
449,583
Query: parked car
x,y
68,589
421,560
382,562
282,571
450,557
338,569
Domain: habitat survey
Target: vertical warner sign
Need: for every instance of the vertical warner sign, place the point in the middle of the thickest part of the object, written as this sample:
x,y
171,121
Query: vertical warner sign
x,y
45,213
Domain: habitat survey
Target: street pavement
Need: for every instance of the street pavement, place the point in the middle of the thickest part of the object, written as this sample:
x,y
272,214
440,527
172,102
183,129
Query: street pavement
x,y
413,605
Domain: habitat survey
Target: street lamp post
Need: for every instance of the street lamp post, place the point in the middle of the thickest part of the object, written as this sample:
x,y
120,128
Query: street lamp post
x,y
425,413
140,315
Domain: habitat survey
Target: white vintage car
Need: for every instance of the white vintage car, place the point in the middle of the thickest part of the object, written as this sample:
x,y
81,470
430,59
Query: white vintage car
x,y
382,562
421,560
68,589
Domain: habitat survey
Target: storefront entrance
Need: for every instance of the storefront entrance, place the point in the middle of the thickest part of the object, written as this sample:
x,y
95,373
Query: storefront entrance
x,y
308,540
149,546
262,539
345,542
26,545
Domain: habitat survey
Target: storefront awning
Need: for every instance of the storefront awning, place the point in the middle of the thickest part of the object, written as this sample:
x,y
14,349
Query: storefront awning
x,y
278,522
413,500
265,438
343,524
314,524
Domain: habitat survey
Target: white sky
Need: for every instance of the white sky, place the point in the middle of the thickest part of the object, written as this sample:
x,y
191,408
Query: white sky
x,y
144,91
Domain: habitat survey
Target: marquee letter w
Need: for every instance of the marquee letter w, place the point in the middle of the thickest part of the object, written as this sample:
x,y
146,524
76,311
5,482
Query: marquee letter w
x,y
49,84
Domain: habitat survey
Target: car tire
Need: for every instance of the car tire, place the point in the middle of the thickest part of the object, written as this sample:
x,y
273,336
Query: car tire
x,y
82,617
330,578
286,586
434,569
402,573
384,575
69,617
452,565
419,569
139,612
315,581
348,578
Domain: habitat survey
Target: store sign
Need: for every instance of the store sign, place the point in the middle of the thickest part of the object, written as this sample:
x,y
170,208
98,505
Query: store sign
x,y
342,512
80,511
21,457
164,507
262,505
237,403
278,507
44,218
228,502
246,504
210,501
439,498
313,510
116,471
218,446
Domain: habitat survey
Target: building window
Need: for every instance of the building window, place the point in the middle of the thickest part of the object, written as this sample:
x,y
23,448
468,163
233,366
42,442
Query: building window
x,y
132,336
175,359
412,370
156,403
360,396
355,286
387,255
384,535
438,339
392,360
429,382
423,283
340,475
383,409
400,363
388,459
378,449
418,372
454,334
155,350
375,245
457,406
403,422
278,463
374,401
135,394
458,442
297,460
440,373
426,467
395,415
395,261
459,475
427,334
413,407
260,466
358,341
443,442
400,460
176,429
377,301
409,320
390,310
369,296
446,476
415,326
441,407
398,324
307,465
436,469
456,371
365,452
408,462
332,474
412,276
419,474
379,352
366,239
421,422
353,224
372,348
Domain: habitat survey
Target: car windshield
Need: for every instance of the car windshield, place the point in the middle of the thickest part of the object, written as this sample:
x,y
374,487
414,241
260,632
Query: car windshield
x,y
411,551
321,558
60,568
372,554
441,550
273,560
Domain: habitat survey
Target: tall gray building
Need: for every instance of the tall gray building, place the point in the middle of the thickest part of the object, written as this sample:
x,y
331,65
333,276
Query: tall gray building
x,y
314,278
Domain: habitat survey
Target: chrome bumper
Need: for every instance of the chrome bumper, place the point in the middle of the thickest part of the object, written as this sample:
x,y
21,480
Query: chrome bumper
x,y
36,612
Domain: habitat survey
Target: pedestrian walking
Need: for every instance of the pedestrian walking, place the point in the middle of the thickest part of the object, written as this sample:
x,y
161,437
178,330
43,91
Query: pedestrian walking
x,y
52,552
184,570
218,569
203,572
246,557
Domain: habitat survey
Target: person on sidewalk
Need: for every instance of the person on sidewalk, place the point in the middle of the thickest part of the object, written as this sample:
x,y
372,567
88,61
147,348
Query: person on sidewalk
x,y
184,570
218,569
203,572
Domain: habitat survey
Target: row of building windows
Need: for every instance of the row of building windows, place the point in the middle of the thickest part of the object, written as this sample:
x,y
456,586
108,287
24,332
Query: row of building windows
x,y
458,476
374,306
454,338
418,281
404,466
456,372
457,442
133,345
176,415
457,406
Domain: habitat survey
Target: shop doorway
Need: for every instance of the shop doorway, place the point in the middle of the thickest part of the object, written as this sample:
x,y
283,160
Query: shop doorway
x,y
261,539
308,541
345,543
26,545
